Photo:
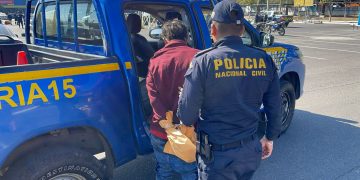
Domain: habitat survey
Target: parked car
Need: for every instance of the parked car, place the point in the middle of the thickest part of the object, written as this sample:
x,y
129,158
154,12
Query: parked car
x,y
82,97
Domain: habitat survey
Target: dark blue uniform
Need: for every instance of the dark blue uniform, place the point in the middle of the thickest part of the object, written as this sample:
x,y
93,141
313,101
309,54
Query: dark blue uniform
x,y
228,83
223,92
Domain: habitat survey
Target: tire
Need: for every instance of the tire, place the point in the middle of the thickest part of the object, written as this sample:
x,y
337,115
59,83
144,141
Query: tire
x,y
57,163
281,31
287,94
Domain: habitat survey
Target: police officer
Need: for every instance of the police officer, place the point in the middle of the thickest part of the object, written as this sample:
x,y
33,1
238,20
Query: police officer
x,y
223,92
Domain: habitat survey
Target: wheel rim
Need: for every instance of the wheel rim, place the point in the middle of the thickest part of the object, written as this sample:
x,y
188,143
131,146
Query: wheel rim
x,y
285,106
68,176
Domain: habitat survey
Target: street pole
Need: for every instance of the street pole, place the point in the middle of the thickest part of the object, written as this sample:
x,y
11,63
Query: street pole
x,y
267,5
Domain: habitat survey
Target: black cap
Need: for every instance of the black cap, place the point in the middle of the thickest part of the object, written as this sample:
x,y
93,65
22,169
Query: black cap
x,y
228,12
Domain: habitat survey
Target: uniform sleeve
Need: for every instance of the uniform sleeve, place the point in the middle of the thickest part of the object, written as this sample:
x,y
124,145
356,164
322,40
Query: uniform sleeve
x,y
192,96
159,109
271,101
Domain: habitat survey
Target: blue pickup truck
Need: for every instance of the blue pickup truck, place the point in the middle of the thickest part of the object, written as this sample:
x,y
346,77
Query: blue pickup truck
x,y
79,108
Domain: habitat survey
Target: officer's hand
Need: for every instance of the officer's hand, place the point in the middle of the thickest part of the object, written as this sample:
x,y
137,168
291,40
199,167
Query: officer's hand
x,y
267,147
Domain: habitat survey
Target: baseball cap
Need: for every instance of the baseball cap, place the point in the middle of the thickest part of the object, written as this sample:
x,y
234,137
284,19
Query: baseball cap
x,y
228,12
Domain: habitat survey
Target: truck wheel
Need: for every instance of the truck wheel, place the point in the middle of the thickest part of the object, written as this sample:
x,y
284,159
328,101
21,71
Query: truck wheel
x,y
57,164
287,104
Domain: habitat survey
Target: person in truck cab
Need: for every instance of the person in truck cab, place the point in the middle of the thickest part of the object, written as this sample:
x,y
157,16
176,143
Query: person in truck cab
x,y
166,75
229,82
142,48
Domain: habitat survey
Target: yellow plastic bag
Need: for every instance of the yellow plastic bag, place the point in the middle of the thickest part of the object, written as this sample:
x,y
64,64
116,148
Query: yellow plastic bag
x,y
181,139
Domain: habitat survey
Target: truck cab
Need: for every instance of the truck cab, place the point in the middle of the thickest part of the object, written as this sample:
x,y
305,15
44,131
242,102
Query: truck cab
x,y
80,108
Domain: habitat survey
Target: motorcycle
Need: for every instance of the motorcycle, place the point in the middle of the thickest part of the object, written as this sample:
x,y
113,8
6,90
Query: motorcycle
x,y
274,26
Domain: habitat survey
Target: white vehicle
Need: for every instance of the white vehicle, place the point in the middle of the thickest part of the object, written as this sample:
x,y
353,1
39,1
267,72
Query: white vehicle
x,y
3,16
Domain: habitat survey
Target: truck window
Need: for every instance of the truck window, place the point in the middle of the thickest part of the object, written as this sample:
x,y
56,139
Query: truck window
x,y
89,35
51,32
206,11
66,22
154,16
88,24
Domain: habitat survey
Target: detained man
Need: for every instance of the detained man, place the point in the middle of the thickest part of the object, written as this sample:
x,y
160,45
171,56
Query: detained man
x,y
166,75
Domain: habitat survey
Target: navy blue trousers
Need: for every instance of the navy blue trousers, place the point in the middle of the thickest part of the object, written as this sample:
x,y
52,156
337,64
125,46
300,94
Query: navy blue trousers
x,y
233,164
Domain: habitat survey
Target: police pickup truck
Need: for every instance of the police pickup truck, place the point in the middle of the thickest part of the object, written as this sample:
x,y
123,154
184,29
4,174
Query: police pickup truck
x,y
78,109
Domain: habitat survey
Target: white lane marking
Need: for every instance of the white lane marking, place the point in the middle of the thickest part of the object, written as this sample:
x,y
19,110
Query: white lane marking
x,y
299,44
341,50
315,58
334,38
330,42
327,33
354,37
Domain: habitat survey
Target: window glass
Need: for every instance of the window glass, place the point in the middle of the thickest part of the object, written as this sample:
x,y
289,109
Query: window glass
x,y
207,16
154,16
67,21
38,28
89,32
88,24
50,16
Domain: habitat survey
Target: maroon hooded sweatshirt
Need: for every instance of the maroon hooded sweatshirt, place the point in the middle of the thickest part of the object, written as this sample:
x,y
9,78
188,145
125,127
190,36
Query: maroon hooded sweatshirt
x,y
166,75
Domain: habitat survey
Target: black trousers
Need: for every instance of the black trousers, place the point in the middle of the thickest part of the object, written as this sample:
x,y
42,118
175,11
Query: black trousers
x,y
233,164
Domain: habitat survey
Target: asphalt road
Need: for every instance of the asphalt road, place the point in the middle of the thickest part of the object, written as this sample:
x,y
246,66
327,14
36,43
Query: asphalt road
x,y
323,140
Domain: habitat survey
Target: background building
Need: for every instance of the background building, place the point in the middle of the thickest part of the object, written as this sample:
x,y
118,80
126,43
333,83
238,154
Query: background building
x,y
14,6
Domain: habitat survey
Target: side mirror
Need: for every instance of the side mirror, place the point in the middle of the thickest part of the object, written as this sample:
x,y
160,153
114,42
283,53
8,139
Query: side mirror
x,y
155,33
266,39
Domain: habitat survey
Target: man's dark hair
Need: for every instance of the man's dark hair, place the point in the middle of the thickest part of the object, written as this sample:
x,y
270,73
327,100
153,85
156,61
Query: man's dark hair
x,y
174,29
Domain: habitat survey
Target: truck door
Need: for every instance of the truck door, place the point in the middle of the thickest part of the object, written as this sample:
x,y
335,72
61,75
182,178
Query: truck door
x,y
75,83
148,34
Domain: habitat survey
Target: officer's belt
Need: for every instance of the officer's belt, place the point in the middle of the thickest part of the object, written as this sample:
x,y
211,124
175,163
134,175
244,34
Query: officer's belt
x,y
224,147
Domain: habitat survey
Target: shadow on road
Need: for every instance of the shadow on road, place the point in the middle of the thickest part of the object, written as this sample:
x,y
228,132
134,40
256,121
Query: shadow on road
x,y
314,147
